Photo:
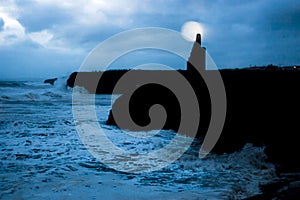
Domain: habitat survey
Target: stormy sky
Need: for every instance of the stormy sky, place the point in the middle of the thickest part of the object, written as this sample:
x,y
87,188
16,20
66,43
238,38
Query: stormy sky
x,y
49,38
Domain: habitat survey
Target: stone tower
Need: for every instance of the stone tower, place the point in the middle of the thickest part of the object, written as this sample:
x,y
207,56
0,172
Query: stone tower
x,y
197,56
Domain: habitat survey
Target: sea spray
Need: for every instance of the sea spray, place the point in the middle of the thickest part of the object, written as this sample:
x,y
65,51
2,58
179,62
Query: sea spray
x,y
42,155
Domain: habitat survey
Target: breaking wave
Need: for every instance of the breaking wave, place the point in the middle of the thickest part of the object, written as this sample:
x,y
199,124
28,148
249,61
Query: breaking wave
x,y
41,150
27,91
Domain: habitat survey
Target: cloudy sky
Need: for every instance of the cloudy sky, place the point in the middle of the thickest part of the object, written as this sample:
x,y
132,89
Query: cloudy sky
x,y
46,38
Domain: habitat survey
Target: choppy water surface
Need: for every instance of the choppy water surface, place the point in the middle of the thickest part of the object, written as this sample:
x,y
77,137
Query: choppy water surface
x,y
42,156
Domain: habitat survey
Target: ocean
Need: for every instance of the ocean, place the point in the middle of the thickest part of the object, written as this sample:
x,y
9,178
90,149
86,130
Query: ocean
x,y
42,155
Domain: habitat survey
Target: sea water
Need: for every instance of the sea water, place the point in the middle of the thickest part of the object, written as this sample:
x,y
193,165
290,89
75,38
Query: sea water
x,y
42,156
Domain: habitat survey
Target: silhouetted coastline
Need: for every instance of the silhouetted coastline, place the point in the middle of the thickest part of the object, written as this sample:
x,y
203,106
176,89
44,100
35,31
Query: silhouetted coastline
x,y
262,105
262,109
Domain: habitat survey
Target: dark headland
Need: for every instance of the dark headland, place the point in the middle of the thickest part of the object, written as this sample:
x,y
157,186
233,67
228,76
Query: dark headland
x,y
263,105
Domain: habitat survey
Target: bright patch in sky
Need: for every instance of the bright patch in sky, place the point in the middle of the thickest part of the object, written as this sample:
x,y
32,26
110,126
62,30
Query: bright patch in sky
x,y
190,29
42,37
11,30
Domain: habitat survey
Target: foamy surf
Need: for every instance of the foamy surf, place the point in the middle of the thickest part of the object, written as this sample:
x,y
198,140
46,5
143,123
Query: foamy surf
x,y
42,155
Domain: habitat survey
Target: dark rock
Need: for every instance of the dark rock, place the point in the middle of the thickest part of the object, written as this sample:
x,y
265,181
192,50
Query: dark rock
x,y
262,105
282,189
50,81
262,108
140,103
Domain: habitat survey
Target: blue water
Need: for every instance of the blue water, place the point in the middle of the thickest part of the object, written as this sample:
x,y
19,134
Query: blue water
x,y
42,156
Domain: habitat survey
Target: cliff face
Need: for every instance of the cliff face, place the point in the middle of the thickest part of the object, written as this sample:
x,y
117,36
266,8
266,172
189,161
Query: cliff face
x,y
262,107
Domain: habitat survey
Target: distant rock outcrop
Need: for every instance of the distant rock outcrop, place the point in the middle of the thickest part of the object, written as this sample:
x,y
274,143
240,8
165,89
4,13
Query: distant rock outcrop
x,y
50,81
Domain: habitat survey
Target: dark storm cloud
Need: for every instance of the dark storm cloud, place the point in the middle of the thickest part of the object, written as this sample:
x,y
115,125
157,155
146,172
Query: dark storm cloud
x,y
244,33
283,18
237,33
35,17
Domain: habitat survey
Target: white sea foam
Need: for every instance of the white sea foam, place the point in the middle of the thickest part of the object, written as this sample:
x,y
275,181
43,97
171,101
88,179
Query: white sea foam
x,y
42,155
34,91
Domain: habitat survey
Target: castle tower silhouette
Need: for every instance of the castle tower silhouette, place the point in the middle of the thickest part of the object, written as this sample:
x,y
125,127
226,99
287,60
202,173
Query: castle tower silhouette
x,y
197,56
